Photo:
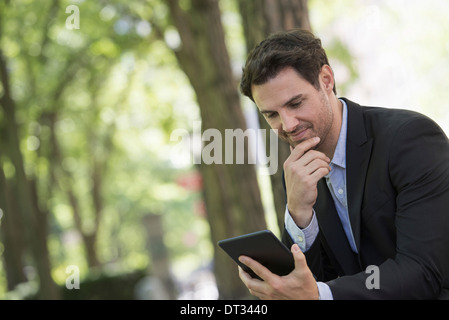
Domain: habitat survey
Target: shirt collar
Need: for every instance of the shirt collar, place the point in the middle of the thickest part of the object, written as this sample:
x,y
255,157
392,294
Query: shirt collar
x,y
339,158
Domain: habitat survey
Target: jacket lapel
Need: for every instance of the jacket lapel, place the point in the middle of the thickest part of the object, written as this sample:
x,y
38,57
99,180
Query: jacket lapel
x,y
358,153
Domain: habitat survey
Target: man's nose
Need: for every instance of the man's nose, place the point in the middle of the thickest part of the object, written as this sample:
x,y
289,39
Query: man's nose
x,y
288,120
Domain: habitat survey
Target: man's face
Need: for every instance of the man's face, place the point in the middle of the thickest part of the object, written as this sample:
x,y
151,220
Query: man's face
x,y
294,107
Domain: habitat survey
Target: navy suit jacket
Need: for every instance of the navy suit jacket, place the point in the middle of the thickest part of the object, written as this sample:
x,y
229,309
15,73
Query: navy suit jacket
x,y
397,179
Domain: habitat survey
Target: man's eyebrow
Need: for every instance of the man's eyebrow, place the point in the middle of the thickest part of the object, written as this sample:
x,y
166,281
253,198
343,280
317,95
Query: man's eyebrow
x,y
298,96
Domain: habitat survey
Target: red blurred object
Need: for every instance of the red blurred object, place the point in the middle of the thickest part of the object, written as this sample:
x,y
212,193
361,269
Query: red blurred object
x,y
200,208
191,181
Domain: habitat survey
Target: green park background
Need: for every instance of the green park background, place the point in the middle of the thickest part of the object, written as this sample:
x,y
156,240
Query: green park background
x,y
100,195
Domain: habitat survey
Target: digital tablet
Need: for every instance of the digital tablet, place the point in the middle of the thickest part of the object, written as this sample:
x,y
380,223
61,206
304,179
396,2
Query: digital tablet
x,y
262,246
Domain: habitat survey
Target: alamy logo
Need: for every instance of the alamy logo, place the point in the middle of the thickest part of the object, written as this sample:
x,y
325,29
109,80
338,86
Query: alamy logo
x,y
373,280
72,21
239,146
73,280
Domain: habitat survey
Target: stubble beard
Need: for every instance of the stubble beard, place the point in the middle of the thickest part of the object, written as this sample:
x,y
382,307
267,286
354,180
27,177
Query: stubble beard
x,y
322,133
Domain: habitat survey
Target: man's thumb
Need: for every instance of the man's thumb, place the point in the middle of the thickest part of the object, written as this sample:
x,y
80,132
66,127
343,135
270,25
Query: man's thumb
x,y
298,256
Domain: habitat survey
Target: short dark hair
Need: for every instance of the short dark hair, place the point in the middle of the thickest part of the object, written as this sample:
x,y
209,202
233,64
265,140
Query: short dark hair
x,y
296,48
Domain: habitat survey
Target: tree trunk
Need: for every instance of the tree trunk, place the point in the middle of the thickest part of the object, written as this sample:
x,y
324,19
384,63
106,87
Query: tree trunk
x,y
260,18
160,258
27,206
12,234
231,191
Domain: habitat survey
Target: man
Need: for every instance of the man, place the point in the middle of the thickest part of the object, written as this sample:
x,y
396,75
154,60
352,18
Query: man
x,y
367,188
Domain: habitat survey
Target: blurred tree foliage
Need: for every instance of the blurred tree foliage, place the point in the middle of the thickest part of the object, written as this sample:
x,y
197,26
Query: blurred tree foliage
x,y
86,117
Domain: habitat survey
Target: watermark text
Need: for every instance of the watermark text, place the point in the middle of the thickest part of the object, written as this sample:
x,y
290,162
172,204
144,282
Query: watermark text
x,y
73,280
72,21
230,146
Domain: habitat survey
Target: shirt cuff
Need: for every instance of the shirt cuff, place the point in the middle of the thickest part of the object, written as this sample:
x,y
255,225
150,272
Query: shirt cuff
x,y
324,291
304,238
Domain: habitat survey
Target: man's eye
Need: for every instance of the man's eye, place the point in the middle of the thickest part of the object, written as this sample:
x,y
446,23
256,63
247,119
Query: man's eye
x,y
271,115
295,104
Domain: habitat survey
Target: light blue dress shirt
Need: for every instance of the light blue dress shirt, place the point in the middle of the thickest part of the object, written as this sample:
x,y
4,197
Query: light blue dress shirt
x,y
336,182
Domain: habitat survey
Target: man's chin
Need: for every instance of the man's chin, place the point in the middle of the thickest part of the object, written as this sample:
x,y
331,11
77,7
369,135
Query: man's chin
x,y
289,141
294,143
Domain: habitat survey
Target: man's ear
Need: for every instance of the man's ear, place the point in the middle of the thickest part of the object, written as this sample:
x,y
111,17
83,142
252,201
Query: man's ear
x,y
327,78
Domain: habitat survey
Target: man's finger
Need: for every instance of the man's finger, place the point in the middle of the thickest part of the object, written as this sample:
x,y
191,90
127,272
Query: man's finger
x,y
298,256
315,165
244,276
299,150
320,173
255,286
311,155
258,268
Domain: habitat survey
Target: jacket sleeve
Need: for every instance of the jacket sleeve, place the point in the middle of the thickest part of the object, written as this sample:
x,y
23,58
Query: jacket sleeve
x,y
317,261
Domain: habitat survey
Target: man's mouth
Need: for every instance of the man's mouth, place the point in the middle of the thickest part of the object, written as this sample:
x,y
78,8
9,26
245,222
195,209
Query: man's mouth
x,y
297,135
